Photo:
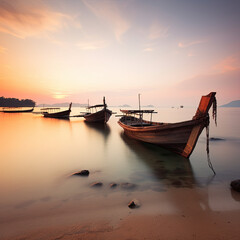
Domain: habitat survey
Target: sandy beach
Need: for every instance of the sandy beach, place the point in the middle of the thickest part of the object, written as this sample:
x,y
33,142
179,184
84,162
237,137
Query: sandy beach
x,y
189,216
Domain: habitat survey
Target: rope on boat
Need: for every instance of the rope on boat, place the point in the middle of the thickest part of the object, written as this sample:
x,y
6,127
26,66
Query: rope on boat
x,y
207,148
214,113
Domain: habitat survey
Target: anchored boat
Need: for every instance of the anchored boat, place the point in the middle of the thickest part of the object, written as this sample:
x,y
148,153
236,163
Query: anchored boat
x,y
95,115
55,113
16,110
180,137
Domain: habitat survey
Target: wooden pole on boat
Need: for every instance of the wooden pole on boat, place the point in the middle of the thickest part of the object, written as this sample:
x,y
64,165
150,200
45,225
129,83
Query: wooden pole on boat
x,y
105,106
140,114
104,103
139,102
70,105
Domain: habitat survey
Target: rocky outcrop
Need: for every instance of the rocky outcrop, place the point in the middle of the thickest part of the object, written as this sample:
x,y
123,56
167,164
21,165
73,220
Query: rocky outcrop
x,y
83,173
134,204
235,184
96,184
113,185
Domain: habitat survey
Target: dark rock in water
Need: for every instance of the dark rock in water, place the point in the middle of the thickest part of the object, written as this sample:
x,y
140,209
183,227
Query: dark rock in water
x,y
128,185
97,184
134,204
113,185
83,173
236,185
216,139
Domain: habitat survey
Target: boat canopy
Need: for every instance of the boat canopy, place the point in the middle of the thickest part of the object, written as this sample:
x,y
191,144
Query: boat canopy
x,y
50,108
95,106
137,111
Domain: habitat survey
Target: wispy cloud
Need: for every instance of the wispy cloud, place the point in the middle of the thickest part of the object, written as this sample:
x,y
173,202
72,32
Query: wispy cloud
x,y
188,44
91,45
148,49
222,78
24,18
227,64
110,12
158,31
2,49
154,33
191,54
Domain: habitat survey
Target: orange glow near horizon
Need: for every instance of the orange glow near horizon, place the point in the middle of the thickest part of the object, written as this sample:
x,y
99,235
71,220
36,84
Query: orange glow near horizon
x,y
59,96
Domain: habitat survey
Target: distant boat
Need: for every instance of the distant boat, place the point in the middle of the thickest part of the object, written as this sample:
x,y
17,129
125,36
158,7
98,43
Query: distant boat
x,y
54,113
16,110
95,115
180,137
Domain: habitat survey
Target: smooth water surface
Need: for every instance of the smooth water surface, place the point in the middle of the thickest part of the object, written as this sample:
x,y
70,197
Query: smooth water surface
x,y
39,155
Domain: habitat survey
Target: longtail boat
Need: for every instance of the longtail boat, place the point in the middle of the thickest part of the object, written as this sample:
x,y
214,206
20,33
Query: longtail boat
x,y
54,113
180,137
95,115
16,110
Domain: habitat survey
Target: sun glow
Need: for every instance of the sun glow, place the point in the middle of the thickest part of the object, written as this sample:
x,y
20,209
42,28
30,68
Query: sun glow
x,y
59,95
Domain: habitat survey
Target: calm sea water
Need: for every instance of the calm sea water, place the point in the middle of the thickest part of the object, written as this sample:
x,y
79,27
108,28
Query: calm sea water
x,y
38,156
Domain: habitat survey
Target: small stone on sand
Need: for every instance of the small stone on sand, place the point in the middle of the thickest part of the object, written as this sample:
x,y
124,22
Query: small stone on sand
x,y
83,173
97,184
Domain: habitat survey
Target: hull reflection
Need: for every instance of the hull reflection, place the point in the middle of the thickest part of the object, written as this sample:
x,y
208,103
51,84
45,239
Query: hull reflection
x,y
103,129
171,169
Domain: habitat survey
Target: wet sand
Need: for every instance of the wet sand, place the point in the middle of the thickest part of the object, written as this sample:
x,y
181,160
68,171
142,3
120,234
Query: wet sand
x,y
188,217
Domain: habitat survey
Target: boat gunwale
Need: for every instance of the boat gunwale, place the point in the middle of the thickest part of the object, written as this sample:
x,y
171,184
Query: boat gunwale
x,y
98,112
161,126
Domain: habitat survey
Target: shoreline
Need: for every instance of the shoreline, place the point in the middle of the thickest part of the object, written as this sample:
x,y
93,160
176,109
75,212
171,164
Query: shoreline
x,y
189,217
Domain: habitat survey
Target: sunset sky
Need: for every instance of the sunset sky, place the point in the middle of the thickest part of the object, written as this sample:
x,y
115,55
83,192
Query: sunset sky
x,y
171,52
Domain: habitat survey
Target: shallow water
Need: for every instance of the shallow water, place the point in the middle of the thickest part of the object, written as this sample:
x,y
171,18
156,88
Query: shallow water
x,y
38,156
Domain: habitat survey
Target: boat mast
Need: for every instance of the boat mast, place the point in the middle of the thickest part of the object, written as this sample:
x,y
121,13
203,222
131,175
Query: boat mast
x,y
104,107
104,103
139,106
139,102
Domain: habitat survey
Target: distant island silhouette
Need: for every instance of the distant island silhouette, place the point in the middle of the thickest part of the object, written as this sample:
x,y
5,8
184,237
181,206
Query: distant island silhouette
x,y
124,105
15,102
149,106
232,104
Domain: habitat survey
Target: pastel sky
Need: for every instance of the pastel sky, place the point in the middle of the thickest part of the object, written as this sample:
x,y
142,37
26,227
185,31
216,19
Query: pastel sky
x,y
171,52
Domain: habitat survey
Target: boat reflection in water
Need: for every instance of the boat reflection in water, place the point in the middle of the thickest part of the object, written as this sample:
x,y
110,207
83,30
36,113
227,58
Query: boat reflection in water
x,y
173,176
169,169
103,129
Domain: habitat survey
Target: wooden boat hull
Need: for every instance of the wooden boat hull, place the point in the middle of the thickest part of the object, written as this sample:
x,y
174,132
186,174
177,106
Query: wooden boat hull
x,y
18,111
172,136
101,116
178,137
62,114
